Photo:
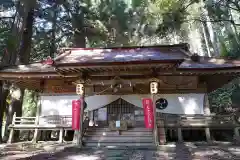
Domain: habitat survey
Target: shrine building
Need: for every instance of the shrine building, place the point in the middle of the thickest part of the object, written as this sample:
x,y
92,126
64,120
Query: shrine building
x,y
116,84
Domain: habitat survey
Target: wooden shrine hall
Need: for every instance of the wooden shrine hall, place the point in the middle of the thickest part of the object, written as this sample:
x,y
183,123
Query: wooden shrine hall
x,y
115,81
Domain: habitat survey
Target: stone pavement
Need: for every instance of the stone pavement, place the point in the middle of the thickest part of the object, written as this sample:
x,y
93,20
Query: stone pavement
x,y
186,151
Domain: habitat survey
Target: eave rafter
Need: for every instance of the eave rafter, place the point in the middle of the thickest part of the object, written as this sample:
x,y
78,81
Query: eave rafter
x,y
128,69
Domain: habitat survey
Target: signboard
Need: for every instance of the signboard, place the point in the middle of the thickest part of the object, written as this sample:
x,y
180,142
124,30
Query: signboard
x,y
76,110
102,114
148,112
118,124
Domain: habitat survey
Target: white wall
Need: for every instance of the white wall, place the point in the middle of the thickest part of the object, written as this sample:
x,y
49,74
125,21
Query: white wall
x,y
177,103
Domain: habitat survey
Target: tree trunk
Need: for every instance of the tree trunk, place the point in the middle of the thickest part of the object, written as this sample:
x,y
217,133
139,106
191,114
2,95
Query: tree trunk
x,y
212,34
13,40
9,59
206,39
79,41
2,108
8,115
53,37
26,43
79,31
17,107
24,56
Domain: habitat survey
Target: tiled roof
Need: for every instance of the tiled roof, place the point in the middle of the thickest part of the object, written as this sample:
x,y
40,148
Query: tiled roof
x,y
85,56
29,68
209,63
128,55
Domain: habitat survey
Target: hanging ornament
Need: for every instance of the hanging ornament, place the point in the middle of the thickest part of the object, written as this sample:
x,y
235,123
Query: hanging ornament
x,y
161,103
79,89
154,87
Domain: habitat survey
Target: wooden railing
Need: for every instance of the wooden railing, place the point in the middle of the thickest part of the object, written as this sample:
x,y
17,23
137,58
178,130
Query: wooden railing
x,y
85,126
205,122
196,121
52,122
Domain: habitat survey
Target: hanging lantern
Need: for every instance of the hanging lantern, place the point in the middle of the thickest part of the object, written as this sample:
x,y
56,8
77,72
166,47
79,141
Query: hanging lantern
x,y
79,89
154,87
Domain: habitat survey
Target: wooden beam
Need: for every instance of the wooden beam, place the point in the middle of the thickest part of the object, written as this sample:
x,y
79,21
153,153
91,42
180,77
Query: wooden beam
x,y
121,73
113,81
27,75
117,66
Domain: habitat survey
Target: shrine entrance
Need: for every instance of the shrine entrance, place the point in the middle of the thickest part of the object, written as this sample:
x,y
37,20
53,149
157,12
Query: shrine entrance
x,y
119,110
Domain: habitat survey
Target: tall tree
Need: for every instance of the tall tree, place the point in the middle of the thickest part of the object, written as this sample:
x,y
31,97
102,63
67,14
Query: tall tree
x,y
9,48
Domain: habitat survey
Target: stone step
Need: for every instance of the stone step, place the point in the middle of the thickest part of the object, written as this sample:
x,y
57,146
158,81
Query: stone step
x,y
106,129
117,138
115,133
114,144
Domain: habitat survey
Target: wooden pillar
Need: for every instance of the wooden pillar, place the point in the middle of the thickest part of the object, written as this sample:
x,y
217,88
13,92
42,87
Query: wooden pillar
x,y
78,134
179,130
161,131
36,131
81,120
60,139
12,129
207,112
236,130
155,130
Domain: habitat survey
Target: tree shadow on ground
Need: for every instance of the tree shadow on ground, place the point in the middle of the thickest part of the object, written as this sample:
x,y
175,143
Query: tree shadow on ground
x,y
88,154
179,151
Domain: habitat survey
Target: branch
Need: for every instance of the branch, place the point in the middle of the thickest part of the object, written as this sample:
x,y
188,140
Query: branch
x,y
216,21
236,5
189,4
64,35
1,18
228,5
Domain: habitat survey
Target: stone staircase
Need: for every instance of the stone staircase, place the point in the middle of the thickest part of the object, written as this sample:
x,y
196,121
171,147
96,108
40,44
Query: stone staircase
x,y
103,137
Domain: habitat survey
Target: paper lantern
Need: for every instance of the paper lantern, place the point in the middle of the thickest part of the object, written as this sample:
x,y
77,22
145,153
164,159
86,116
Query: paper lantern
x,y
154,87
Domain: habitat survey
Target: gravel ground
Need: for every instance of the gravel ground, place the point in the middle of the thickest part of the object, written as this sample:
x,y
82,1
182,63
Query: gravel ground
x,y
186,151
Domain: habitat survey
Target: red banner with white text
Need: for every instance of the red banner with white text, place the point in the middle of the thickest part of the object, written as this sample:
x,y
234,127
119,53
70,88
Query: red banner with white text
x,y
76,112
148,112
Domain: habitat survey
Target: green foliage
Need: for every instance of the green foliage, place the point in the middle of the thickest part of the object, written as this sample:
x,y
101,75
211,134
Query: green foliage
x,y
29,103
222,96
7,3
125,22
226,97
224,51
173,14
235,95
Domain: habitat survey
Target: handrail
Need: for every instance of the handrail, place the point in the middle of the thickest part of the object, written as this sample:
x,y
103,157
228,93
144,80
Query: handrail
x,y
85,125
214,121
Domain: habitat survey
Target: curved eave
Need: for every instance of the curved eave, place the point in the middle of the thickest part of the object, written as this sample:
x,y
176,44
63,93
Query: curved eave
x,y
28,75
216,70
116,63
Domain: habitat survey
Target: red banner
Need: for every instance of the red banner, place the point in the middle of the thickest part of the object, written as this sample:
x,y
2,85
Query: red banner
x,y
148,112
76,109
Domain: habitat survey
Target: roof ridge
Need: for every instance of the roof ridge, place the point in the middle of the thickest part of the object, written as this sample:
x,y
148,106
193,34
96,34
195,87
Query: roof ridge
x,y
184,46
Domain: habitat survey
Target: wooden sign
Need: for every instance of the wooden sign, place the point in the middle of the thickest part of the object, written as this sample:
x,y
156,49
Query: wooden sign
x,y
118,124
76,112
148,112
61,89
